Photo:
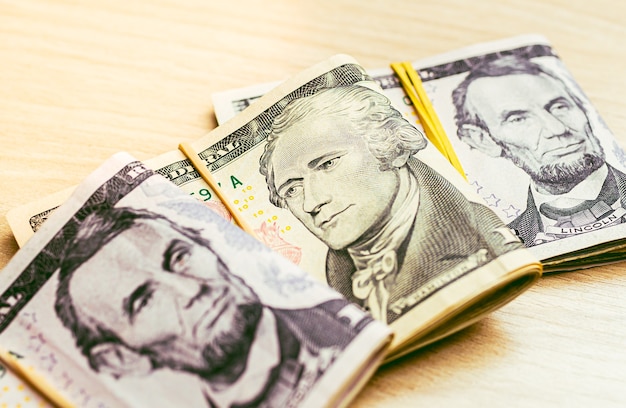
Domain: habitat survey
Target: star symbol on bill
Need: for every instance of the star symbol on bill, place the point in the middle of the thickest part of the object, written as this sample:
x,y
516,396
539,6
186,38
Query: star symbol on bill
x,y
477,187
36,342
511,211
27,320
492,200
49,361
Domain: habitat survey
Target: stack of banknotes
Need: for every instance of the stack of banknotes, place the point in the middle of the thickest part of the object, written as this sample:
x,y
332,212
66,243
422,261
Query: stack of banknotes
x,y
531,144
137,289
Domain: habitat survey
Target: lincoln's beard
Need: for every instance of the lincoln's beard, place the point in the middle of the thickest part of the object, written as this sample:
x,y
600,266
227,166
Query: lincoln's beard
x,y
228,350
561,177
565,173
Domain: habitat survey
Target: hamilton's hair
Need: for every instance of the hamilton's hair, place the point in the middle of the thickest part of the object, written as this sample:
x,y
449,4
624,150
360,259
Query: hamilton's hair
x,y
99,228
503,66
387,133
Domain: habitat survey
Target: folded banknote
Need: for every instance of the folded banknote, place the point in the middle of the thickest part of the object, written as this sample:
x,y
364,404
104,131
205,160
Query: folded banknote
x,y
331,175
136,294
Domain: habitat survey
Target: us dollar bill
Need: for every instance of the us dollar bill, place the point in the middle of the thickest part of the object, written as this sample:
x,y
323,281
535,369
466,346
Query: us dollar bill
x,y
135,294
584,184
333,177
530,142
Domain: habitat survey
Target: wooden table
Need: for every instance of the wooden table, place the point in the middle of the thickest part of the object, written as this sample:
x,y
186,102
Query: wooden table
x,y
80,81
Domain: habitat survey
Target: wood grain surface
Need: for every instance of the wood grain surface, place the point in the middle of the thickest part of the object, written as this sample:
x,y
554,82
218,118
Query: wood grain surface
x,y
81,80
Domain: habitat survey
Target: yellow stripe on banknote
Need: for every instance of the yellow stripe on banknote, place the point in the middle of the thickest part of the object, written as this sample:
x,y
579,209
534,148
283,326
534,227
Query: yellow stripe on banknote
x,y
413,87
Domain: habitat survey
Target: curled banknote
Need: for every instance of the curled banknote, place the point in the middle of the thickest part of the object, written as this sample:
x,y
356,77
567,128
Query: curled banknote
x,y
136,294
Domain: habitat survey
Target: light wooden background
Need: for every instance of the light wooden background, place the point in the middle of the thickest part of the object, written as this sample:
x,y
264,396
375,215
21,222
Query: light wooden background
x,y
81,80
